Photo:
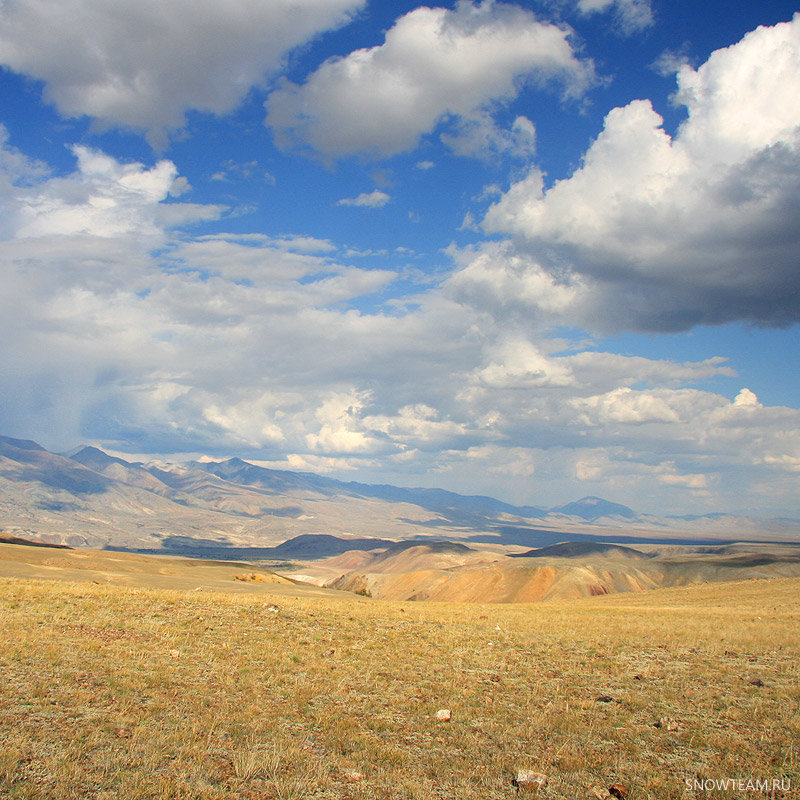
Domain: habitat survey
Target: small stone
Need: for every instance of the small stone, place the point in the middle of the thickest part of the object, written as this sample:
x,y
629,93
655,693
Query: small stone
x,y
605,698
666,722
618,790
352,775
444,715
528,780
599,793
328,653
175,653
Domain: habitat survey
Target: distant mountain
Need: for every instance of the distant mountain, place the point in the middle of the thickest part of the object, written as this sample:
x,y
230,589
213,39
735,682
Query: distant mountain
x,y
455,507
96,459
30,462
91,498
20,444
275,481
592,508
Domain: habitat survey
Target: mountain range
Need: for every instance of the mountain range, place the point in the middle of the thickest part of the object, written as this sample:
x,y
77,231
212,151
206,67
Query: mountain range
x,y
89,498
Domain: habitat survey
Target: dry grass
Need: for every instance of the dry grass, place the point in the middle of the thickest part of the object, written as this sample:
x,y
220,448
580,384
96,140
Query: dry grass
x,y
118,692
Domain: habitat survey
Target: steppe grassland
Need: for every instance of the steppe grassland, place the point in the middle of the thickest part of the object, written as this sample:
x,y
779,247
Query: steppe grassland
x,y
114,692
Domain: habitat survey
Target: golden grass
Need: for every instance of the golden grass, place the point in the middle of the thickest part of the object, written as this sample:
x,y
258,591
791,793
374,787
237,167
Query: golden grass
x,y
146,571
124,692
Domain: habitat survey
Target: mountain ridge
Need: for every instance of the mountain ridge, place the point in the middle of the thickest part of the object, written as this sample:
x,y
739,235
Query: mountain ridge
x,y
92,499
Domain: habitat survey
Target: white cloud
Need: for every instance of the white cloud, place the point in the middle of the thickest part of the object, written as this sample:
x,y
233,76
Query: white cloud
x,y
627,406
607,371
747,398
499,278
630,15
687,481
105,199
519,364
417,426
669,63
247,170
145,64
434,63
478,135
118,330
658,232
15,166
374,199
305,244
341,430
616,468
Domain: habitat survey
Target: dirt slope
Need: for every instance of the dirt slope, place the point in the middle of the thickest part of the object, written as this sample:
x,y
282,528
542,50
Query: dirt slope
x,y
414,574
500,582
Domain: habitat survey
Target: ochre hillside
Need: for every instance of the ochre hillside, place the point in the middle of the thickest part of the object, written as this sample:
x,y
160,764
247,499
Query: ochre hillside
x,y
453,572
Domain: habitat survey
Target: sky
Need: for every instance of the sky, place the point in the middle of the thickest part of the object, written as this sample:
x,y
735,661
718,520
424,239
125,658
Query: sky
x,y
537,250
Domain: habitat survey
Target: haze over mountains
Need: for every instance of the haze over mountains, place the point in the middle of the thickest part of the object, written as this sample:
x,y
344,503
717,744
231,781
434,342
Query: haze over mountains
x,y
89,498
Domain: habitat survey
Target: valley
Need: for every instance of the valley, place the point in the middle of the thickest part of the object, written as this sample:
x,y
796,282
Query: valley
x,y
384,542
219,631
90,499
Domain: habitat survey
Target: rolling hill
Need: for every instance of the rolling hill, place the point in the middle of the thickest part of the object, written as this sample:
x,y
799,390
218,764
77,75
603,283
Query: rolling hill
x,y
451,572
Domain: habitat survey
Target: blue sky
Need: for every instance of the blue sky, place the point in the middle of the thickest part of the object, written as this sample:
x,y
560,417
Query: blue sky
x,y
534,250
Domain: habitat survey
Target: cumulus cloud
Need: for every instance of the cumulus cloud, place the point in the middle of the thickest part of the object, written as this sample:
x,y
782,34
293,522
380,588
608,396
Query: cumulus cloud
x,y
374,199
435,63
746,398
340,429
500,278
121,331
661,232
144,326
105,199
478,135
627,406
145,64
417,426
520,364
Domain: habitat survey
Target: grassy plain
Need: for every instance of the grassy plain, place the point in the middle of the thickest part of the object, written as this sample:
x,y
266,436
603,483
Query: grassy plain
x,y
129,691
